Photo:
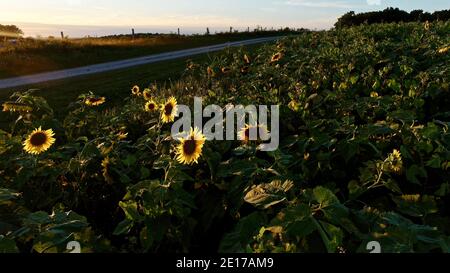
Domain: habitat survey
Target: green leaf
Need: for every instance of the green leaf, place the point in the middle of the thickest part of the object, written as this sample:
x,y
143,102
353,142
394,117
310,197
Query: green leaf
x,y
146,238
7,245
162,162
416,205
145,173
301,228
237,240
7,194
123,227
130,209
334,234
39,218
414,172
434,162
355,189
268,194
213,160
324,196
392,185
130,160
403,115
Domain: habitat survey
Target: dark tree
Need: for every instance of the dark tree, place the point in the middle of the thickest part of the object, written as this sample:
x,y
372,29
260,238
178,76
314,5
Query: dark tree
x,y
10,31
390,15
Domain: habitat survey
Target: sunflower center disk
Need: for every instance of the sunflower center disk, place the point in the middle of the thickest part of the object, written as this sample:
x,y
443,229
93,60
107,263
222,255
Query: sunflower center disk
x,y
38,139
168,109
189,147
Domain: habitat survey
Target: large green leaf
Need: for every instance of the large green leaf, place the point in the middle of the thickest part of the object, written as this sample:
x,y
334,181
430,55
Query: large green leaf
x,y
268,194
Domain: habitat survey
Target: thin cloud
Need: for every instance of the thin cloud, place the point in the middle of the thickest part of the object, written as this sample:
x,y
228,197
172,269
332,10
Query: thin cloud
x,y
374,2
319,4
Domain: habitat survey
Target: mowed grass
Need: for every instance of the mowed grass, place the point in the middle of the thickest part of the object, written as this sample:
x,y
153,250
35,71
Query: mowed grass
x,y
30,56
115,85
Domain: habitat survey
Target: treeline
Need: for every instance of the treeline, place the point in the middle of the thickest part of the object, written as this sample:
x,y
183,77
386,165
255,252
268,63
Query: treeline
x,y
257,32
390,15
10,31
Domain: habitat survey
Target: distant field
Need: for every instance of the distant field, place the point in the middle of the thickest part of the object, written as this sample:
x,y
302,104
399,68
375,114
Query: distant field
x,y
30,56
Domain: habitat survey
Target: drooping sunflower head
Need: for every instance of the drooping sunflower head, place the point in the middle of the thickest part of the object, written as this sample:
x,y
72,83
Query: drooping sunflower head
x,y
210,71
136,91
105,169
169,110
395,161
374,94
190,148
443,50
191,65
39,141
276,57
225,70
16,107
147,94
244,70
95,101
151,106
294,105
260,130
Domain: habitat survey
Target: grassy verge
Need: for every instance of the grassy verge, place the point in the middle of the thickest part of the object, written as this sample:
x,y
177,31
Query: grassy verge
x,y
30,56
115,85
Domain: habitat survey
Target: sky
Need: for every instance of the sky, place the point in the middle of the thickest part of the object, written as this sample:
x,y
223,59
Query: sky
x,y
101,17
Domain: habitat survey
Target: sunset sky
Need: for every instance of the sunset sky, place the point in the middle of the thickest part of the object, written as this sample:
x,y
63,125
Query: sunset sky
x,y
190,15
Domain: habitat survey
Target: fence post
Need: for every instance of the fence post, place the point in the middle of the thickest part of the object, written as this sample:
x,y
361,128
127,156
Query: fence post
x,y
132,33
178,31
62,35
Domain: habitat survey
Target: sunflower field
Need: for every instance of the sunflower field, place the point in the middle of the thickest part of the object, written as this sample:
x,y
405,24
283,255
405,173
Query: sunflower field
x,y
364,155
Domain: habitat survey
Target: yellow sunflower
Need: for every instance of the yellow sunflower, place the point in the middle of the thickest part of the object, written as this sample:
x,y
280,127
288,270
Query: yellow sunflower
x,y
151,106
147,94
244,133
95,101
169,110
39,141
190,148
16,107
191,66
276,57
374,95
395,161
122,135
136,91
